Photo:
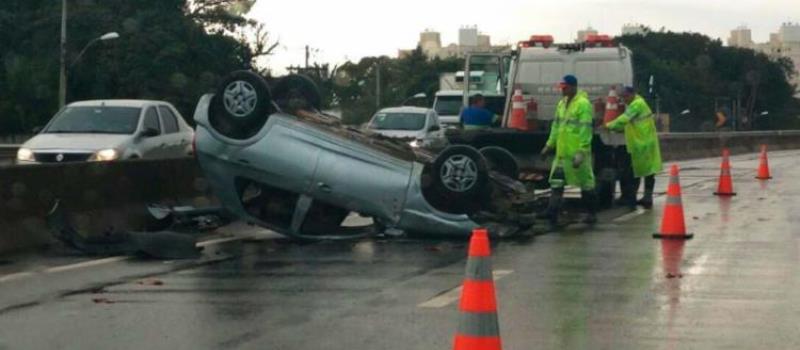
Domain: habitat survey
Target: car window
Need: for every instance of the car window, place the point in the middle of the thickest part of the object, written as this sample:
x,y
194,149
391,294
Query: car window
x,y
398,121
168,119
95,120
151,120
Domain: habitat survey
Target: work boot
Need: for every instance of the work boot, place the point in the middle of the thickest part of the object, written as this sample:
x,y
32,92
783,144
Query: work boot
x,y
589,199
629,203
646,201
553,208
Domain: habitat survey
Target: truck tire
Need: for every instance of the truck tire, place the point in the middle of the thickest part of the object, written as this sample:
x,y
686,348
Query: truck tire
x,y
460,175
241,106
297,91
501,160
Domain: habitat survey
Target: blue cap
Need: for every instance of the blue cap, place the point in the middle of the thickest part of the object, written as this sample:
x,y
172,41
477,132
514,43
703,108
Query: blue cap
x,y
629,90
570,80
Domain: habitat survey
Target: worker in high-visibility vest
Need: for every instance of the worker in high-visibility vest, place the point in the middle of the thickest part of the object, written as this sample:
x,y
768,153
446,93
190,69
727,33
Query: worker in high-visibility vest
x,y
641,142
571,138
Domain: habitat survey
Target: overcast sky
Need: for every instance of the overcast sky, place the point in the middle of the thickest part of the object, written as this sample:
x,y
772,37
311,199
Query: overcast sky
x,y
351,29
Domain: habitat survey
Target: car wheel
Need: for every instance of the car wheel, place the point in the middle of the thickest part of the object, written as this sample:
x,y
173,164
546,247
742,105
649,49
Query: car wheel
x,y
501,160
241,106
296,91
459,177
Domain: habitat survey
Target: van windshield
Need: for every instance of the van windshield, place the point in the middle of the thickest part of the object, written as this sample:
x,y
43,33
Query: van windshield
x,y
95,120
448,105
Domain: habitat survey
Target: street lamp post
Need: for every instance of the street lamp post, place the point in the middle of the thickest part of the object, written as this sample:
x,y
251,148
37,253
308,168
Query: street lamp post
x,y
62,82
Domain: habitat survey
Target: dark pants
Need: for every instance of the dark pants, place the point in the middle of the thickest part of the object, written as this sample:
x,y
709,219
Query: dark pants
x,y
629,184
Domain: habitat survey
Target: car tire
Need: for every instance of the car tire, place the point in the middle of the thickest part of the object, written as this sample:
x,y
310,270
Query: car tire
x,y
501,160
460,176
297,91
241,106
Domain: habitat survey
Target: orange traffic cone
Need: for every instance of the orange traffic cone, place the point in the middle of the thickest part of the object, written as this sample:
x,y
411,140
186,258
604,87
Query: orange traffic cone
x,y
612,106
478,328
725,181
763,169
518,112
673,225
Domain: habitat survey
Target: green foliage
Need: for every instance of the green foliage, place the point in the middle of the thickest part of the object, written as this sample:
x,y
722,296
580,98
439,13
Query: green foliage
x,y
173,50
693,72
355,89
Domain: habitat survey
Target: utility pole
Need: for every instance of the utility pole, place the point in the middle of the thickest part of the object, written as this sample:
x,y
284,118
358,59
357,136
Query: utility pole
x,y
377,85
62,83
307,56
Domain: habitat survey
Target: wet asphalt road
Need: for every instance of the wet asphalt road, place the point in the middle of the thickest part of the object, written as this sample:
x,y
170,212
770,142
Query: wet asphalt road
x,y
610,287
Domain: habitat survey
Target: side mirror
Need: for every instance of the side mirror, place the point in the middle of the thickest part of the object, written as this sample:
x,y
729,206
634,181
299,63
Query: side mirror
x,y
435,127
37,129
149,132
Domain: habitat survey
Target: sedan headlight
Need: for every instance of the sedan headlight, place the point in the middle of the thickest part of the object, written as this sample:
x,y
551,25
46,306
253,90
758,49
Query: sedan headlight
x,y
416,143
105,155
25,155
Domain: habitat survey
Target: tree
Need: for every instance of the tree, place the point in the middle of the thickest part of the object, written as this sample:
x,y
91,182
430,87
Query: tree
x,y
400,78
697,73
173,50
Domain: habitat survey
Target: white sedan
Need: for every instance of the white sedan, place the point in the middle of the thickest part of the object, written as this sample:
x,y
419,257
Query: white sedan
x,y
107,130
419,126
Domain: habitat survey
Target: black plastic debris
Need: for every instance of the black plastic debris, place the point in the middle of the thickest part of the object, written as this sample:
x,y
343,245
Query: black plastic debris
x,y
159,245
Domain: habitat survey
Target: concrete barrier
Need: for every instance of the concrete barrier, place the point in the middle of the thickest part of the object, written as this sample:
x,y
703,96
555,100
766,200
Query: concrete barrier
x,y
108,196
8,153
682,146
104,196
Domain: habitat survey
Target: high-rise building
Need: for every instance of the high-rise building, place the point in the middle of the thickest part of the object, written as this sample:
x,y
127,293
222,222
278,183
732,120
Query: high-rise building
x,y
784,43
741,37
484,41
468,36
469,40
430,42
789,33
583,33
634,29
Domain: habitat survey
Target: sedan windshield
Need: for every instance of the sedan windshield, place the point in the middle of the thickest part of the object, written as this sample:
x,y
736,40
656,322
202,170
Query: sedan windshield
x,y
95,120
398,121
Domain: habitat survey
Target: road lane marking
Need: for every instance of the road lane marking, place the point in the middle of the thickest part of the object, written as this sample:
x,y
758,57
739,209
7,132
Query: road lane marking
x,y
630,216
15,276
454,294
98,262
86,264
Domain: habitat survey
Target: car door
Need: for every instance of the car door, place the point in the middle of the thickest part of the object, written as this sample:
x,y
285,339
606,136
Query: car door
x,y
151,146
175,142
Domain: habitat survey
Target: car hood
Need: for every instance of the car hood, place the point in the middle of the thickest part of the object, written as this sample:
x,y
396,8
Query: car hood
x,y
401,134
89,142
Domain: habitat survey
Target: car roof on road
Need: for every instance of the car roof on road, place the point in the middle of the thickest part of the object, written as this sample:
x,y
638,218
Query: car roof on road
x,y
117,103
405,109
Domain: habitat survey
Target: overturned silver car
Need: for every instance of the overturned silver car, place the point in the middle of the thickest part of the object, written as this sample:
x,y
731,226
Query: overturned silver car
x,y
275,160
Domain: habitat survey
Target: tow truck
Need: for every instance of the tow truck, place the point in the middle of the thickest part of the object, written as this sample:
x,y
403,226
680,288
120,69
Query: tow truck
x,y
533,70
